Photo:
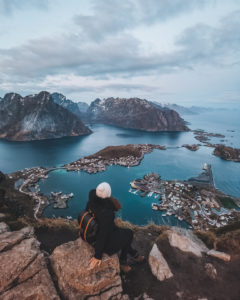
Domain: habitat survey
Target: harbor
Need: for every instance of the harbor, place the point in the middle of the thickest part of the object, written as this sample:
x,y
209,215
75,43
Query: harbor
x,y
196,200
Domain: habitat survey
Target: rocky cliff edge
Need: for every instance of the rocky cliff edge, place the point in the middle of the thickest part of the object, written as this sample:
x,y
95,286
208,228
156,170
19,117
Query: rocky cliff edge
x,y
178,266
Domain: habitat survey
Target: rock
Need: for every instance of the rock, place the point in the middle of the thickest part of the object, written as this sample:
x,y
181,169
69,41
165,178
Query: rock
x,y
16,260
23,269
38,287
3,227
146,297
210,271
70,262
9,239
158,264
2,216
186,241
220,255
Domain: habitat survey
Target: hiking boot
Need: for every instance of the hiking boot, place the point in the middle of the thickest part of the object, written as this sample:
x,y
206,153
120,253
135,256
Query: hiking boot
x,y
125,268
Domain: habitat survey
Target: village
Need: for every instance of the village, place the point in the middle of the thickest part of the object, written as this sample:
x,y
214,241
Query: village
x,y
131,156
196,201
26,181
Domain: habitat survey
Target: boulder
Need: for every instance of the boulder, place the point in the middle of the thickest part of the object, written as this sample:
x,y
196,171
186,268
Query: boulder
x,y
38,287
158,264
16,260
210,271
2,216
70,263
9,239
220,255
186,241
23,269
3,227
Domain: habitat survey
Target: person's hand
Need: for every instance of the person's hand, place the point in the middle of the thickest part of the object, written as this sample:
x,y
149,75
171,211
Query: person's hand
x,y
94,262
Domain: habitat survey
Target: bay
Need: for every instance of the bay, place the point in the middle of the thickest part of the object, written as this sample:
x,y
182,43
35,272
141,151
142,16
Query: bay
x,y
173,163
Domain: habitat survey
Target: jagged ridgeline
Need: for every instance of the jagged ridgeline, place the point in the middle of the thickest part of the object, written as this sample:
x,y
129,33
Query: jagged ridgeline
x,y
37,117
135,113
46,116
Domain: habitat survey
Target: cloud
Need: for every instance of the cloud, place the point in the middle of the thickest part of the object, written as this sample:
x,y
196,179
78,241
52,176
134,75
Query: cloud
x,y
109,17
9,6
212,45
103,47
122,55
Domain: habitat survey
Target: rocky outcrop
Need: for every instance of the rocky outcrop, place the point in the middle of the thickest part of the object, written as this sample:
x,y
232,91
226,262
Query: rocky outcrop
x,y
210,271
193,147
23,269
186,241
10,239
70,263
220,255
134,113
158,264
28,273
227,153
3,227
37,117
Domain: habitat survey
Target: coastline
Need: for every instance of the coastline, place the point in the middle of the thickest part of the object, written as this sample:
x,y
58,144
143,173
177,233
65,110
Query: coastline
x,y
127,156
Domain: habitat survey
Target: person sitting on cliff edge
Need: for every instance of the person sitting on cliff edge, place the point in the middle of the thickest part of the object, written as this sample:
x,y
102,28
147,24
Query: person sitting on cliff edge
x,y
110,238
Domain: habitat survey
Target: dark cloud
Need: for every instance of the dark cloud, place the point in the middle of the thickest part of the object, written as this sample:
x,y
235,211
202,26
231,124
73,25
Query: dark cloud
x,y
121,55
9,6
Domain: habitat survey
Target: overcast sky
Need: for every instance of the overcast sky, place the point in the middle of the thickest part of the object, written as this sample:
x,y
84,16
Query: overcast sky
x,y
178,51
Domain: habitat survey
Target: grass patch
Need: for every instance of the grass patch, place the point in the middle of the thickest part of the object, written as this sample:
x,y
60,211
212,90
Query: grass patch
x,y
227,202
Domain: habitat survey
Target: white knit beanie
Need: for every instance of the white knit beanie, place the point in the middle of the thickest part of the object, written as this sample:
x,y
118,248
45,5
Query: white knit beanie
x,y
103,190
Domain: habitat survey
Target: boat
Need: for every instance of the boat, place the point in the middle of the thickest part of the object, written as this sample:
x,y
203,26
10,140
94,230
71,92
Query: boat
x,y
164,215
69,217
169,213
155,206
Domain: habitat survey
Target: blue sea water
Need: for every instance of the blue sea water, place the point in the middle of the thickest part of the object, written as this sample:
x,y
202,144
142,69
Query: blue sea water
x,y
173,163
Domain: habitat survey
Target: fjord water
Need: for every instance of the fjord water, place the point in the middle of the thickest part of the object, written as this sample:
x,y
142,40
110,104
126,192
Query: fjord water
x,y
173,163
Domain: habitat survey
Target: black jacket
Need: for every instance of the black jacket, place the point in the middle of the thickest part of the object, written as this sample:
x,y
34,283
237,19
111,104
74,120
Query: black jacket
x,y
103,210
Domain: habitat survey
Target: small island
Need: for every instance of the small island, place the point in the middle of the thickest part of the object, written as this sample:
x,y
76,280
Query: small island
x,y
204,136
126,156
193,147
227,153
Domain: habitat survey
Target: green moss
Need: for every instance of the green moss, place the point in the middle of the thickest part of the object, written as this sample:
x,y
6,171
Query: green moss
x,y
227,202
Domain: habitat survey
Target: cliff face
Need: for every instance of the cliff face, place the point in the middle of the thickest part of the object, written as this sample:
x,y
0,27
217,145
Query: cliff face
x,y
37,117
134,113
66,103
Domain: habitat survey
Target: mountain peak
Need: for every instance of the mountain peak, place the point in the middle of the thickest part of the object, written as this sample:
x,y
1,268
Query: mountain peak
x,y
37,117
